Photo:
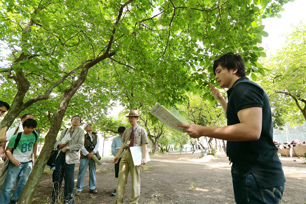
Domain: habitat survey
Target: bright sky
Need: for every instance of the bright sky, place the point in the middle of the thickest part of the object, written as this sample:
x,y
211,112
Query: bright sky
x,y
294,13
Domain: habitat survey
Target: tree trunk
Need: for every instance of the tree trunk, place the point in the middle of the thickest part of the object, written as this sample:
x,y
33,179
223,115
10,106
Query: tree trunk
x,y
17,105
161,148
154,146
224,146
200,143
29,189
304,112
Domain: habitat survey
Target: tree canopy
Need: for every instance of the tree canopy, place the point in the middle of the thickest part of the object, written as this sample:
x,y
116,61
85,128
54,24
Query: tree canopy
x,y
287,74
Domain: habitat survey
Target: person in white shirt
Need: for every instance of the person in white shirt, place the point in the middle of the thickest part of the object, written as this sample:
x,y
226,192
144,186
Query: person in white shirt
x,y
90,148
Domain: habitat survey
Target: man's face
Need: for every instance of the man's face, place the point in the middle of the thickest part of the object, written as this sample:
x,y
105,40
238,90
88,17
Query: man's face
x,y
225,77
88,128
28,130
76,121
27,117
133,120
3,109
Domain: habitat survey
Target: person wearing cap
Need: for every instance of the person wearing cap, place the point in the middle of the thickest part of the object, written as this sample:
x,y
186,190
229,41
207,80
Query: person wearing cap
x,y
116,144
132,136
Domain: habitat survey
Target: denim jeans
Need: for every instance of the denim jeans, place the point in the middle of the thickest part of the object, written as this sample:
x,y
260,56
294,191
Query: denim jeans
x,y
247,191
92,174
20,174
63,171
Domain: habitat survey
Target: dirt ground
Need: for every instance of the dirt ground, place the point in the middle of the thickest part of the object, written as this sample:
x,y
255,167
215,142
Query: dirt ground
x,y
179,178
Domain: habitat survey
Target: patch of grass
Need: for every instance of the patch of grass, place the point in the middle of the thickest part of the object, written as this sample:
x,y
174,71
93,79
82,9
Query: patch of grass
x,y
49,171
192,186
146,167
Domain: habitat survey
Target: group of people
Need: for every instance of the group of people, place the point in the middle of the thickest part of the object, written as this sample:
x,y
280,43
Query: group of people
x,y
73,140
75,146
257,174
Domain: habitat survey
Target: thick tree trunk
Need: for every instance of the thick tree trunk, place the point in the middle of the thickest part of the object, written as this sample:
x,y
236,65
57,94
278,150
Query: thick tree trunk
x,y
154,146
17,105
29,190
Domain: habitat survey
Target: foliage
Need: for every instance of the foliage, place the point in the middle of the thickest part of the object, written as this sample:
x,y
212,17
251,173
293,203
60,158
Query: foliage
x,y
286,80
203,112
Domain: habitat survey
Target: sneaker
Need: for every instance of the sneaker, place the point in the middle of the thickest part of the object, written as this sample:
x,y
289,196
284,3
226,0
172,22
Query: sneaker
x,y
77,193
114,193
94,191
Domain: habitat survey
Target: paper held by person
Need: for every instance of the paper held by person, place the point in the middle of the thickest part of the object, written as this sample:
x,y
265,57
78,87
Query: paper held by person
x,y
136,152
171,118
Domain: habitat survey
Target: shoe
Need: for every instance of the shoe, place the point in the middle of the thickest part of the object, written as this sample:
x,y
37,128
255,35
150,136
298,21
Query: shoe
x,y
114,193
94,191
77,193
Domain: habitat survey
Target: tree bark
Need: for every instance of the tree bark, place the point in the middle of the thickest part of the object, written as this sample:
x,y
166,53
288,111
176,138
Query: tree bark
x,y
29,190
154,146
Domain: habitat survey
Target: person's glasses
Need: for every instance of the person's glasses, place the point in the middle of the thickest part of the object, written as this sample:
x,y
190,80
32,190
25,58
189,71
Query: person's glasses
x,y
78,119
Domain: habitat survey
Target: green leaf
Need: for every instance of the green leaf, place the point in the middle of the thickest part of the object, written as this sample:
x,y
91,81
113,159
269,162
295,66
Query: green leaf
x,y
254,77
264,33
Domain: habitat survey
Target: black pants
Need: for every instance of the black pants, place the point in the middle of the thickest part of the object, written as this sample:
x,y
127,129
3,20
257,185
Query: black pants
x,y
117,168
63,171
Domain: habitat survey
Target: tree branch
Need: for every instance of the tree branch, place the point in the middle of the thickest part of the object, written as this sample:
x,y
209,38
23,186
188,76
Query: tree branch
x,y
150,18
116,23
130,66
50,89
169,33
292,96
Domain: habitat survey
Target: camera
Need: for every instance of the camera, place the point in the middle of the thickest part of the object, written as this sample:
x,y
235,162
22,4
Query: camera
x,y
90,147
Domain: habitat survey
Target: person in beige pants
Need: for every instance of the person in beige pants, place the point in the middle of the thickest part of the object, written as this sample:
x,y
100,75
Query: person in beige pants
x,y
132,136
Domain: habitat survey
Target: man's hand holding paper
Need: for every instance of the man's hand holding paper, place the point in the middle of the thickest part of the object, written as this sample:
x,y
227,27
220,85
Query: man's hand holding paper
x,y
192,130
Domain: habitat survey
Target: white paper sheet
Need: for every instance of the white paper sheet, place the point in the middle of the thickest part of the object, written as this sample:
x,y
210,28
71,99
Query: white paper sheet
x,y
171,118
136,152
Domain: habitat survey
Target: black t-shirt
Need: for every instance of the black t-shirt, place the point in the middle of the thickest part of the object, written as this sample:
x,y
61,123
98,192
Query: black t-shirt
x,y
256,157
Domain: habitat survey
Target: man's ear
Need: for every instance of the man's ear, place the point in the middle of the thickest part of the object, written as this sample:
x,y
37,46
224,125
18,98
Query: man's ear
x,y
235,70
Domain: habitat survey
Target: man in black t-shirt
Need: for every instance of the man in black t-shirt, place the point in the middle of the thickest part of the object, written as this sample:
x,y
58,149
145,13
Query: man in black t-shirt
x,y
257,173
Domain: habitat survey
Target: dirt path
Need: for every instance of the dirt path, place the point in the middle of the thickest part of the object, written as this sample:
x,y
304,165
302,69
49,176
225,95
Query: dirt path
x,y
184,179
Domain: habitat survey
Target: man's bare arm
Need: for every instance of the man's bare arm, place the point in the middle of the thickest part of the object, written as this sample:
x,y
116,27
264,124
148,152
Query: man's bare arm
x,y
248,129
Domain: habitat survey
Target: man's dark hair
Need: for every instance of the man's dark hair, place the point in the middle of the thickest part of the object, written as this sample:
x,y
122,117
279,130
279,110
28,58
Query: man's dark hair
x,y
75,117
230,61
25,115
29,123
121,129
2,103
87,125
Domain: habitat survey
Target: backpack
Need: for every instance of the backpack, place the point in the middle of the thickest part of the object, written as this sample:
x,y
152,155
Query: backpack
x,y
18,139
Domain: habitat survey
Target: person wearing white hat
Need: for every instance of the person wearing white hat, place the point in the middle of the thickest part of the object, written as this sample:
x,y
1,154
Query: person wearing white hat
x,y
132,136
